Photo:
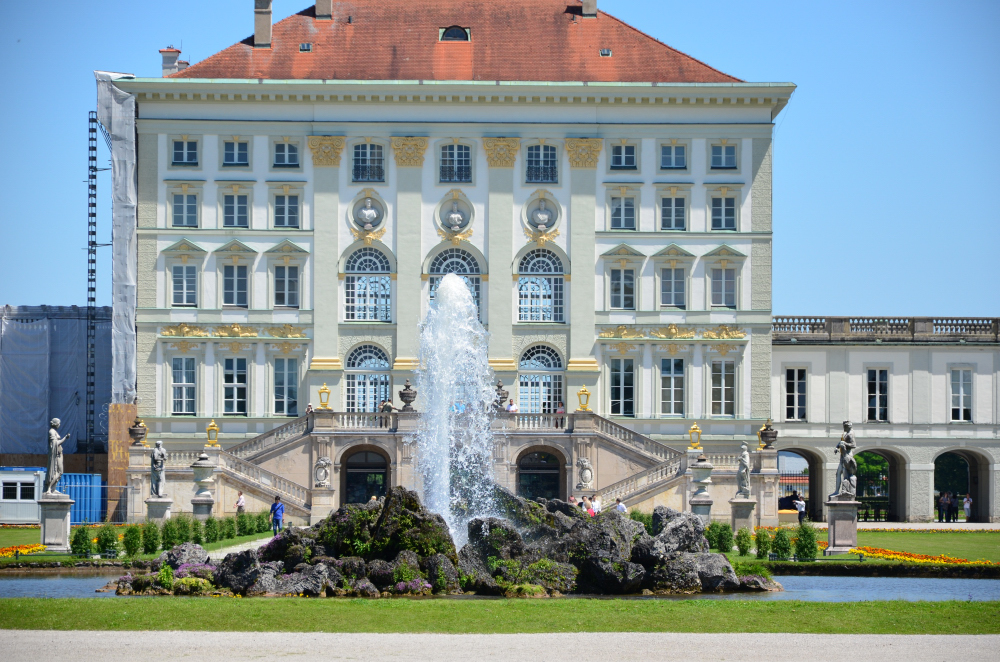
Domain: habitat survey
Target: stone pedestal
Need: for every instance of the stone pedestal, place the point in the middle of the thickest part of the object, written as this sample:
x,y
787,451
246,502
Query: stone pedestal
x,y
702,507
741,514
55,520
203,501
158,508
701,478
842,520
322,504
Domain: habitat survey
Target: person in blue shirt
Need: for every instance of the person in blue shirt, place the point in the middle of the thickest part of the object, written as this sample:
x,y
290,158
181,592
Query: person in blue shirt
x,y
277,514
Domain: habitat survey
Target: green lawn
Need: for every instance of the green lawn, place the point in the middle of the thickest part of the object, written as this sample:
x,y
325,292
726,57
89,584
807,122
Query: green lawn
x,y
498,616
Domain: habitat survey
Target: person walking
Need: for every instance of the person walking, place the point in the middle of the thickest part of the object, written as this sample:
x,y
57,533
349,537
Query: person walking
x,y
241,503
800,506
955,503
277,514
942,506
967,507
947,507
620,507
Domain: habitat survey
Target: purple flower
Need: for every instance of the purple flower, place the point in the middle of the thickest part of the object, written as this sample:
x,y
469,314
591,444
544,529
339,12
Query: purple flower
x,y
200,570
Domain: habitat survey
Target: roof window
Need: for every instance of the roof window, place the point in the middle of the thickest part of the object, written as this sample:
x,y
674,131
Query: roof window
x,y
305,48
605,52
454,33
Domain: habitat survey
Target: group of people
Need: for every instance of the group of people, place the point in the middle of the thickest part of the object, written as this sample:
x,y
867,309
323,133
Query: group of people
x,y
594,506
277,511
948,507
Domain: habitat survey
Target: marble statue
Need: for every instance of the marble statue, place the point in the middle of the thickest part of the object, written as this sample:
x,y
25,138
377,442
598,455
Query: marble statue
x,y
847,480
367,217
54,470
586,474
456,219
157,465
542,218
743,474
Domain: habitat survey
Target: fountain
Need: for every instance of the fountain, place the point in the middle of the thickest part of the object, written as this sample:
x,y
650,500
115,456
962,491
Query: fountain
x,y
454,443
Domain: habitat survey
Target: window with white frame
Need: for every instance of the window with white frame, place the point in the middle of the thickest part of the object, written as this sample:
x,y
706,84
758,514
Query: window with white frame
x,y
185,282
623,157
286,211
367,287
182,385
673,157
286,155
540,287
623,213
286,387
461,263
723,388
672,213
185,210
185,153
10,491
235,386
724,287
622,289
622,387
540,382
369,163
961,395
456,163
235,153
723,157
236,210
795,394
672,287
877,389
542,165
366,372
672,387
234,285
724,213
286,286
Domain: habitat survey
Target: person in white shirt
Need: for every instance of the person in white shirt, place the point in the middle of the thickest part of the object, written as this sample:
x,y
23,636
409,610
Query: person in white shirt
x,y
800,506
620,507
241,503
596,501
967,507
512,407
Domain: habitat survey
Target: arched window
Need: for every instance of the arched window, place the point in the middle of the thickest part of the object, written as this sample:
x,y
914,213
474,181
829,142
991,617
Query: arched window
x,y
540,380
367,373
458,262
540,287
455,33
367,287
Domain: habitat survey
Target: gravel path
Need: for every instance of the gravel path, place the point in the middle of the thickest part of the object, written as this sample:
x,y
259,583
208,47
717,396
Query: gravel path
x,y
74,646
220,554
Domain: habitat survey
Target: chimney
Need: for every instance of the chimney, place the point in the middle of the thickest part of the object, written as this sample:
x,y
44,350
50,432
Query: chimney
x,y
590,8
170,55
262,23
182,65
324,10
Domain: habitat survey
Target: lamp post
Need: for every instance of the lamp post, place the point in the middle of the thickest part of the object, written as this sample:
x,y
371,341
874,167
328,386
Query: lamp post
x,y
583,395
212,432
695,434
324,397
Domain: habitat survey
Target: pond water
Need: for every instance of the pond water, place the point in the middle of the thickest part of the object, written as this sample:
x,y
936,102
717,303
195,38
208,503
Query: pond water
x,y
57,585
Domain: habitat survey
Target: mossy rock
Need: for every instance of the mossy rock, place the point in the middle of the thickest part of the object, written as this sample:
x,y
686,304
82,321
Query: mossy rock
x,y
348,531
552,576
404,524
525,591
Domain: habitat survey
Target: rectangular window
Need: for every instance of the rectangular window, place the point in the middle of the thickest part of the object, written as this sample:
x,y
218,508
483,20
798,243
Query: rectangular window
x,y
286,211
27,491
185,153
672,215
672,387
623,289
723,157
540,299
286,387
723,388
622,387
723,213
456,163
369,164
185,285
724,288
623,157
368,298
878,395
183,385
673,157
234,285
10,491
961,395
234,377
542,166
539,393
672,287
795,394
623,213
235,211
286,287
286,155
235,153
185,210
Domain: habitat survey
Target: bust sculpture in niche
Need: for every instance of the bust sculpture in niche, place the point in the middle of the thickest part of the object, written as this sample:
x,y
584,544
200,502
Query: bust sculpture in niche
x,y
456,219
542,218
367,217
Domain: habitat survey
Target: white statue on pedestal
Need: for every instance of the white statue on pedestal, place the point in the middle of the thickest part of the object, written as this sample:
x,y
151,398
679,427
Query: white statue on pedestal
x,y
743,474
157,466
54,470
847,480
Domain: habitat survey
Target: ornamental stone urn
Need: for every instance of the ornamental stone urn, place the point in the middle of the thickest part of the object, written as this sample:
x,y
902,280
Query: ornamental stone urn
x,y
408,395
203,501
501,396
768,435
701,477
137,432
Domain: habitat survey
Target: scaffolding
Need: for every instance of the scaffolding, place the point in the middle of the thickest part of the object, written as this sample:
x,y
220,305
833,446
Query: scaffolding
x,y
93,126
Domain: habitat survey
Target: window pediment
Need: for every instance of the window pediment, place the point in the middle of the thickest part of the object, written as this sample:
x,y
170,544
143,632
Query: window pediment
x,y
183,246
673,252
727,252
623,253
287,248
235,247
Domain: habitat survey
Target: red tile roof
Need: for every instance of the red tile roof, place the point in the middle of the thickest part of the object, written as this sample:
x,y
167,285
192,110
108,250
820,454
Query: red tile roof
x,y
512,40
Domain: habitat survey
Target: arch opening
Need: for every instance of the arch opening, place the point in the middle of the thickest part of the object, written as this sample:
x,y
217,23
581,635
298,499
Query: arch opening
x,y
541,473
365,475
801,474
961,474
881,487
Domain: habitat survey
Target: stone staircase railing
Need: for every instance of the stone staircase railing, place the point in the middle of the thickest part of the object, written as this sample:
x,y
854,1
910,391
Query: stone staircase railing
x,y
632,438
640,482
276,437
292,493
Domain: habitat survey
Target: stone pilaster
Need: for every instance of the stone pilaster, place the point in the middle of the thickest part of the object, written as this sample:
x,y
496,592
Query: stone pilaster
x,y
409,153
500,221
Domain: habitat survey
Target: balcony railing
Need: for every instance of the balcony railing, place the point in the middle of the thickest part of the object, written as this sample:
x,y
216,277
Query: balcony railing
x,y
456,173
369,173
543,174
892,329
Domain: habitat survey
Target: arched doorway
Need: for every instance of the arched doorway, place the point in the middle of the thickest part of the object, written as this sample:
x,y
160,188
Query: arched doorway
x,y
963,472
881,487
801,473
365,475
540,473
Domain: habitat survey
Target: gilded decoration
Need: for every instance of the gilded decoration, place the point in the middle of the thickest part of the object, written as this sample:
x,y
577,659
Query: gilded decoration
x,y
235,331
234,346
326,150
501,152
583,152
723,349
184,346
540,237
671,332
183,329
286,331
409,152
286,347
455,237
368,236
621,331
622,347
672,349
723,332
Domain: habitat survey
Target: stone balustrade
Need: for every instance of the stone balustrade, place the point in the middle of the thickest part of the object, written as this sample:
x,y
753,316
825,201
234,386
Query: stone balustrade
x,y
894,329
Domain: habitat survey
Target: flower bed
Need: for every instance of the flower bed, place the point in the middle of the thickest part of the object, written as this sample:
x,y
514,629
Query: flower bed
x,y
909,557
9,552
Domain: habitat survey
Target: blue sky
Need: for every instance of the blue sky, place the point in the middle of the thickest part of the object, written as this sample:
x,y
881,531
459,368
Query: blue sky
x,y
883,202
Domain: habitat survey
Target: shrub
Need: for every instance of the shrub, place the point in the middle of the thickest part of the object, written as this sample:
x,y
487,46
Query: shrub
x,y
263,521
243,523
197,532
165,577
107,540
748,568
150,538
132,542
80,544
211,530
404,573
645,518
806,548
782,545
724,538
183,524
228,528
712,534
763,543
191,586
168,534
744,541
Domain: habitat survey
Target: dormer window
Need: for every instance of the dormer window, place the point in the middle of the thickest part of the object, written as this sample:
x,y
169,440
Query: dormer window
x,y
455,33
305,48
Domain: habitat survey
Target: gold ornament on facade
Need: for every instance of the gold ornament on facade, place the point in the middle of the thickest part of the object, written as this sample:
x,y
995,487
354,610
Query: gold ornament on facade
x,y
326,150
621,331
501,152
723,349
673,349
671,332
184,346
723,332
285,347
235,331
234,346
409,152
622,347
183,329
286,331
455,237
368,236
583,152
541,237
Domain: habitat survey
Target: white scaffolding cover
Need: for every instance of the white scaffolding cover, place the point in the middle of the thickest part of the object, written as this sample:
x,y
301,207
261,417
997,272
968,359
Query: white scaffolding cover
x,y
24,386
